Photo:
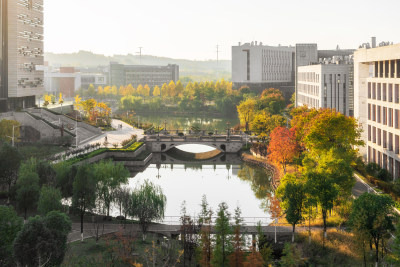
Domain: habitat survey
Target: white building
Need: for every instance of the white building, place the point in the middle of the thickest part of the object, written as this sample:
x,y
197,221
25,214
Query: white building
x,y
259,66
325,85
377,104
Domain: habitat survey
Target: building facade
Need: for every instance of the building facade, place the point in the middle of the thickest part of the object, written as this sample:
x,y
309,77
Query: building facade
x,y
142,74
259,67
326,85
377,104
21,53
64,80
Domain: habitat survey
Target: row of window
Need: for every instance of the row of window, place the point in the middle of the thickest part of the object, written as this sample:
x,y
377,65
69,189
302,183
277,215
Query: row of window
x,y
387,69
383,138
308,77
308,101
386,116
308,89
383,91
384,161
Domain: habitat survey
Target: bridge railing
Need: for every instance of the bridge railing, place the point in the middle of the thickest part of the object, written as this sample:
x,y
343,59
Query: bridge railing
x,y
248,221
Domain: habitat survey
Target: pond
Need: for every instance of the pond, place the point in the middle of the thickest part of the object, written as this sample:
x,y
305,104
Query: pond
x,y
184,122
240,185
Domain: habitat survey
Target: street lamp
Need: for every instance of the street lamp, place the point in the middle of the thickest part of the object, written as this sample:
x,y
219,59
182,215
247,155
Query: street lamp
x,y
13,135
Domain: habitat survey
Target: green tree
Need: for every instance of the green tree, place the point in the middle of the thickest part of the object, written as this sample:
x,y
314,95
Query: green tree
x,y
263,124
291,256
9,129
373,214
84,192
223,231
49,200
10,160
109,177
10,225
292,193
27,191
148,204
60,225
65,175
323,188
205,246
263,246
43,241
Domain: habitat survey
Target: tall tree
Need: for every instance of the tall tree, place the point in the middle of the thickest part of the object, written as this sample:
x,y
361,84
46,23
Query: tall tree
x,y
84,192
205,246
188,233
263,124
237,257
49,200
27,191
10,225
10,160
292,193
282,146
223,231
148,204
324,189
109,177
246,111
373,214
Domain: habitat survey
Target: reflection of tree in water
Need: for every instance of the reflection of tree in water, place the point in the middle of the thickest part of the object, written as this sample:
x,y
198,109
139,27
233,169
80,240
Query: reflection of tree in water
x,y
259,178
184,122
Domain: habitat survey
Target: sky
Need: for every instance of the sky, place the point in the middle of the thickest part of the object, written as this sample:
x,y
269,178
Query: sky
x,y
191,29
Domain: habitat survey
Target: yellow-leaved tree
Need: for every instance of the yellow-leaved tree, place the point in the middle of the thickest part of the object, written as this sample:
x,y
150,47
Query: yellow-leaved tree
x,y
146,90
156,91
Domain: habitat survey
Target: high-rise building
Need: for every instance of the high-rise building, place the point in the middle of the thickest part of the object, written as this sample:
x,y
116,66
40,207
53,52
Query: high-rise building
x,y
142,74
21,53
326,85
377,104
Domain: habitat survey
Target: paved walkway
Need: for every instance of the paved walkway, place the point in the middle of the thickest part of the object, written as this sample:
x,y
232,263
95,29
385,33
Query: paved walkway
x,y
117,136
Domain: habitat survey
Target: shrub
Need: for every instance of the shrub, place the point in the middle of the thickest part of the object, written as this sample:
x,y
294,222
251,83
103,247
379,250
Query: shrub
x,y
384,175
372,169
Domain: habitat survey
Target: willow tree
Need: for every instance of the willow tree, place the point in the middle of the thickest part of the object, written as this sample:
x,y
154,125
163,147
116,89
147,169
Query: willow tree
x,y
148,204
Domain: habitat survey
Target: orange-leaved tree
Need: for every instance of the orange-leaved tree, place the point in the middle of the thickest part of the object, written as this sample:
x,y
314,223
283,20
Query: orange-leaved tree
x,y
283,146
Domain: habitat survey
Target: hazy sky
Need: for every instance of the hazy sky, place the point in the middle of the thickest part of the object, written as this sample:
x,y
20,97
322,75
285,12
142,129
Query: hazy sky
x,y
191,29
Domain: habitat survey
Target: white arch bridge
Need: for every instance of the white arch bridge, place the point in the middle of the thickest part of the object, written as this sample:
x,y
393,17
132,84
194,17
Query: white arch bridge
x,y
225,143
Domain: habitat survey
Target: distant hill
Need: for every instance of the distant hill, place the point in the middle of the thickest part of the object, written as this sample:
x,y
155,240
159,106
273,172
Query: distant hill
x,y
197,70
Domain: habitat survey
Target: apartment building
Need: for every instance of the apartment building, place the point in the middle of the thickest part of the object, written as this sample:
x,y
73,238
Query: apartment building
x,y
21,53
142,74
377,104
328,84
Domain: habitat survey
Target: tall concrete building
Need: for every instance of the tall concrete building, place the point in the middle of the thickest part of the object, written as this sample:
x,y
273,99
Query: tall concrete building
x,y
326,85
21,53
377,104
142,74
259,67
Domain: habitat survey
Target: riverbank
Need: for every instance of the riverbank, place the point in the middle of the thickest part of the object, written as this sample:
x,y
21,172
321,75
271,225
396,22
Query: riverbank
x,y
261,162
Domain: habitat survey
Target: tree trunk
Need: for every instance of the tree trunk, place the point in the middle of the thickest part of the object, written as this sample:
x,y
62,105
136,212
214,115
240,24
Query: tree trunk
x,y
294,228
376,253
82,213
324,219
25,213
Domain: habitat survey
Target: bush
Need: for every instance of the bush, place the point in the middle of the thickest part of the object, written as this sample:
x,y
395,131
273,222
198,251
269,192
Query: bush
x,y
372,169
384,175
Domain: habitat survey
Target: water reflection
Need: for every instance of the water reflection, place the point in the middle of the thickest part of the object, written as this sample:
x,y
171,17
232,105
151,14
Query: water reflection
x,y
237,185
184,122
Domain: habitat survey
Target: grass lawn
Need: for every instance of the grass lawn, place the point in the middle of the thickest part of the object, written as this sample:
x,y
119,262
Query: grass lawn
x,y
121,249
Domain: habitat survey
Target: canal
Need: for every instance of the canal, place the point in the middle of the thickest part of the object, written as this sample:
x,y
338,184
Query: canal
x,y
224,180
